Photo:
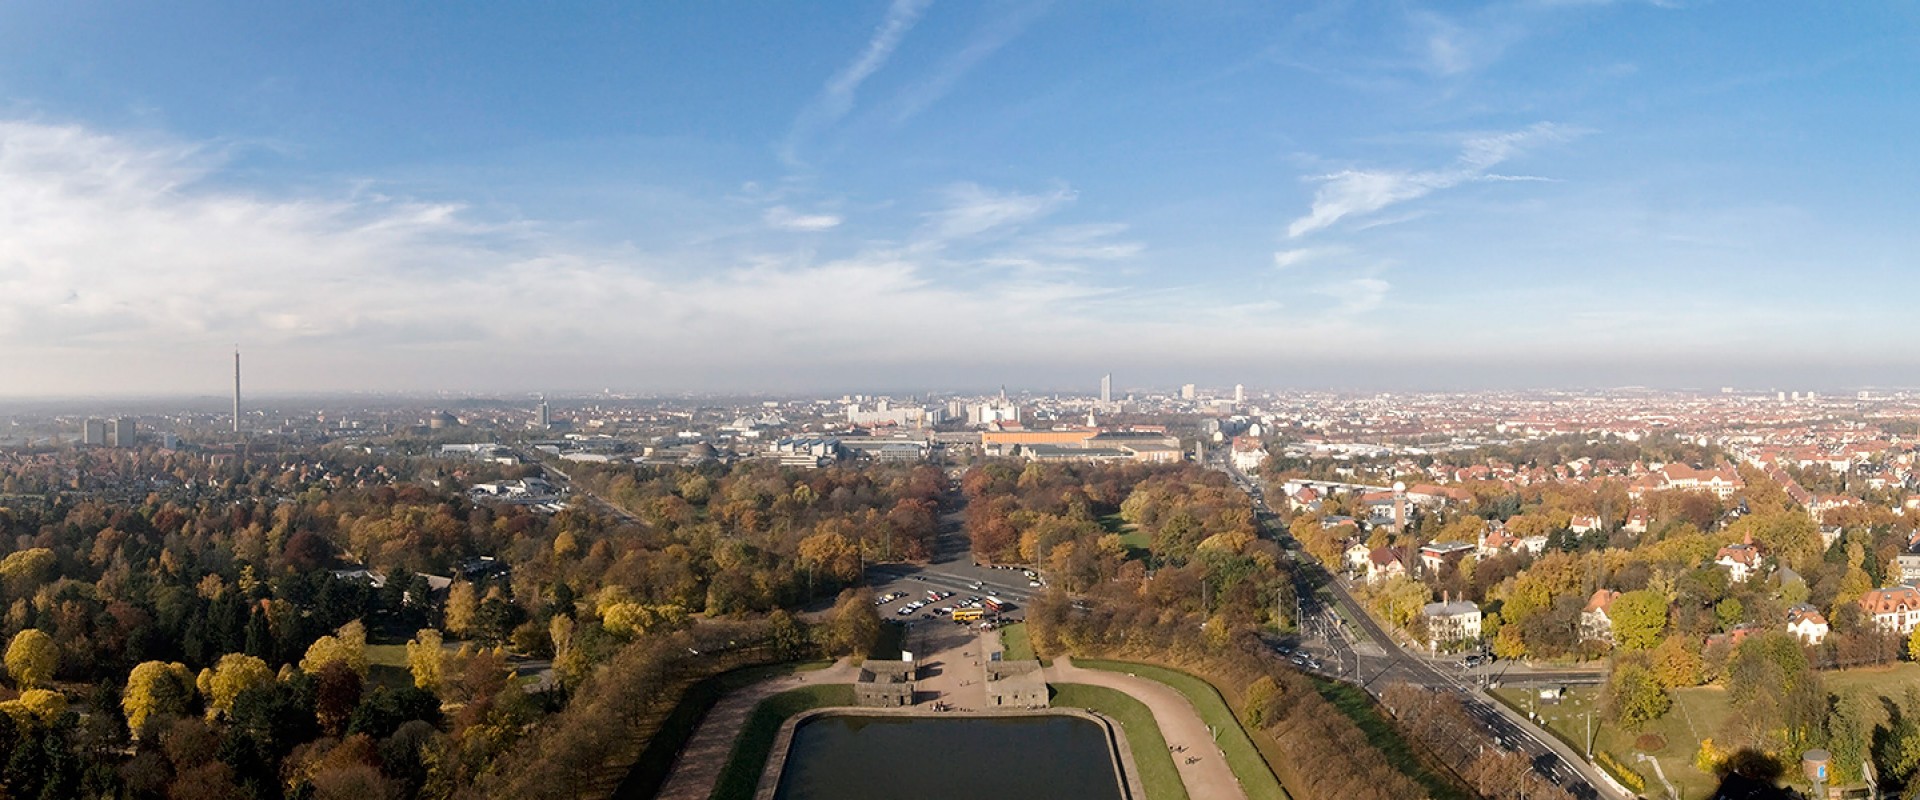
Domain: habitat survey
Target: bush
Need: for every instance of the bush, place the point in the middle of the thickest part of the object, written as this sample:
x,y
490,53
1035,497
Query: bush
x,y
1620,772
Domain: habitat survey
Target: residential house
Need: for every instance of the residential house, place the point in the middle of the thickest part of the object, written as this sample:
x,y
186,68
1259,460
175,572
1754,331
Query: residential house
x,y
1807,623
1895,608
1741,560
1384,564
1437,555
1595,625
1451,621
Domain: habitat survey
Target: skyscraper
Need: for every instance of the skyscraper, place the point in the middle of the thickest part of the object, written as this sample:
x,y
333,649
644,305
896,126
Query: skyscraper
x,y
1239,393
236,389
93,431
124,432
1106,389
544,416
1188,392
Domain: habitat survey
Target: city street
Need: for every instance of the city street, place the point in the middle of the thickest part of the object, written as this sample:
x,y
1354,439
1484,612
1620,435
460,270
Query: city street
x,y
1345,643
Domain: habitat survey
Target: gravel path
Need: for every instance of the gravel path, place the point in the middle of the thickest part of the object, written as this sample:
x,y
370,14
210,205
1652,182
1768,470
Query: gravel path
x,y
698,768
1209,777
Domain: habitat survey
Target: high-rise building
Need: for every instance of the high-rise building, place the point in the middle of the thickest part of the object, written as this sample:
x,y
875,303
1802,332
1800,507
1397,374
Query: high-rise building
x,y
1239,393
124,433
1187,392
543,416
236,390
94,432
1106,389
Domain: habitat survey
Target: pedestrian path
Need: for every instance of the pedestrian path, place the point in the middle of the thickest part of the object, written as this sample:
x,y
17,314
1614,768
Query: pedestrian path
x,y
697,770
1203,768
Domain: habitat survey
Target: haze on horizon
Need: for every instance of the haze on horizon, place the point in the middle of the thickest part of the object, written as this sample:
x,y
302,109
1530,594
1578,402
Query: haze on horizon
x,y
911,194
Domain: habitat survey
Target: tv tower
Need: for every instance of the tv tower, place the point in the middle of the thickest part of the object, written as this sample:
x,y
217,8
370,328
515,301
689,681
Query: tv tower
x,y
236,388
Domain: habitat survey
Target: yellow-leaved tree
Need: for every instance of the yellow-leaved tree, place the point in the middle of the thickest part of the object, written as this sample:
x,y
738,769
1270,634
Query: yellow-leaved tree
x,y
427,660
462,609
155,688
35,707
349,644
235,673
31,658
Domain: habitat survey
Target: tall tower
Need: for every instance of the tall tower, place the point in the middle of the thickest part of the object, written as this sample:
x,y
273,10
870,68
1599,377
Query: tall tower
x,y
236,388
1106,389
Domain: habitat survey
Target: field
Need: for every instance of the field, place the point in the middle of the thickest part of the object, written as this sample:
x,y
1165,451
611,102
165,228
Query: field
x,y
1158,775
1243,756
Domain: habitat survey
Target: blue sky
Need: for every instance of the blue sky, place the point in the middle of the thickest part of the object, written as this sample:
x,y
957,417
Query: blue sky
x,y
897,195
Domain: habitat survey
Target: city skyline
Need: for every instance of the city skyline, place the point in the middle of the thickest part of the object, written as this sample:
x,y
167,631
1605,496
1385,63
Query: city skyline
x,y
1513,195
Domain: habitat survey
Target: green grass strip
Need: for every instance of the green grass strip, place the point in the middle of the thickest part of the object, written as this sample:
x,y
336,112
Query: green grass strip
x,y
1158,775
1018,646
741,777
1243,756
1358,706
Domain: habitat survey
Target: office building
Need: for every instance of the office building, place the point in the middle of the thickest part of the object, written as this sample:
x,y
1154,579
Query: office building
x,y
1188,392
93,432
1239,393
1106,389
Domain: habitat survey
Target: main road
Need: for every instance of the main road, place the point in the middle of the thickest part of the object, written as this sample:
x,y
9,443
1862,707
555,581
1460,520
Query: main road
x,y
1359,651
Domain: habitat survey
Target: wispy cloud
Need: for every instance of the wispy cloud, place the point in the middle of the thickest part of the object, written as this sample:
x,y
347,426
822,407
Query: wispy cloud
x,y
1358,192
836,98
1297,256
787,219
990,39
973,210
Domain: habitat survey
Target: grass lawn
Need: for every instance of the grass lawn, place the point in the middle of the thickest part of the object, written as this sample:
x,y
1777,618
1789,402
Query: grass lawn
x,y
387,655
741,777
1697,713
1130,535
1157,773
1015,642
1243,756
1359,707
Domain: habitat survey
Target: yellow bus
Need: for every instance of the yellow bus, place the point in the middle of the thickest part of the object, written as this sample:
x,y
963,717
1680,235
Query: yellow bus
x,y
967,614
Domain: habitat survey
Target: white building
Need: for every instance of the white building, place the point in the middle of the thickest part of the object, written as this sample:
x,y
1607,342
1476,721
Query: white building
x,y
1595,624
1806,623
1452,621
1895,609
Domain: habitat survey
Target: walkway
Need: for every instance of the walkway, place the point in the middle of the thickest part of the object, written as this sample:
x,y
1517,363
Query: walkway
x,y
697,770
1180,723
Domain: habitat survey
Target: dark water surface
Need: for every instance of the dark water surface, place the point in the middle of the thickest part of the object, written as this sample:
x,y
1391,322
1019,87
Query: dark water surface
x,y
951,758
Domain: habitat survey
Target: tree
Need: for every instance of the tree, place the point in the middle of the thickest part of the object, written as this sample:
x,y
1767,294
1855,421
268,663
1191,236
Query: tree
x,y
463,608
1639,617
1634,696
854,628
32,658
1675,663
235,673
154,689
336,693
348,645
427,660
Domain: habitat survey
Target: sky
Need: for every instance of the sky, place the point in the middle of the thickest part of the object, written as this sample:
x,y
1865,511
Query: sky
x,y
731,196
